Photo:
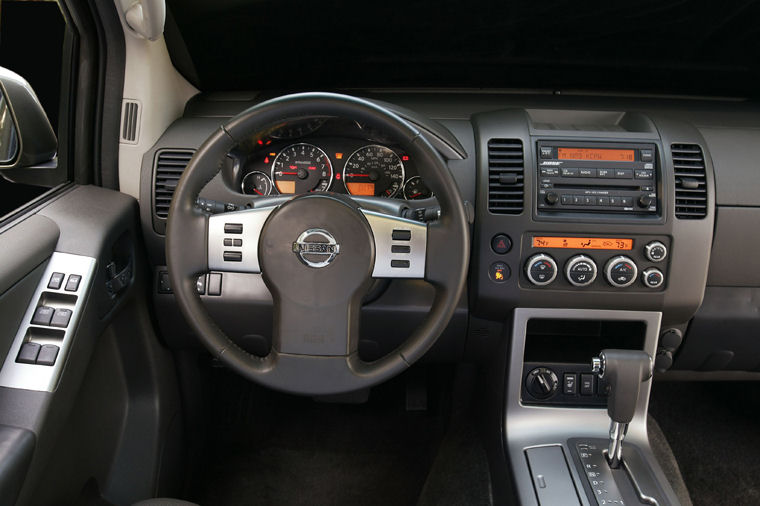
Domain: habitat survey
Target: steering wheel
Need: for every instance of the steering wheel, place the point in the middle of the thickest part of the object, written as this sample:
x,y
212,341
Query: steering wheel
x,y
318,254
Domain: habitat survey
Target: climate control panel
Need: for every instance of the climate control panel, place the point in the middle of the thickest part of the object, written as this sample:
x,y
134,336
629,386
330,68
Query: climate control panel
x,y
595,263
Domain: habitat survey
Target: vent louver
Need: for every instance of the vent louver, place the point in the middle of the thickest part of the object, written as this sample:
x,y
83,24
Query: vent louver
x,y
130,121
167,170
506,168
690,181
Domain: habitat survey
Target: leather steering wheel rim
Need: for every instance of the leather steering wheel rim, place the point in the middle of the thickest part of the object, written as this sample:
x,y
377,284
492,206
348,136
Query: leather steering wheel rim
x,y
446,254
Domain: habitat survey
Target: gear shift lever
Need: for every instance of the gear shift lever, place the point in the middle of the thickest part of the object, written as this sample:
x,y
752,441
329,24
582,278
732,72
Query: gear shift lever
x,y
625,371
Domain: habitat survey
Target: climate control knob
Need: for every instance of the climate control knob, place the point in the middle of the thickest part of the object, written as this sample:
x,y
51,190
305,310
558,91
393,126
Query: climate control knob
x,y
653,277
580,270
541,269
621,271
542,383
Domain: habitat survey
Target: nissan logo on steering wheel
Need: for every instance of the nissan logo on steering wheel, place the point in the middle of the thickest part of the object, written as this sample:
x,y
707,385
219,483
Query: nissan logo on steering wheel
x,y
316,248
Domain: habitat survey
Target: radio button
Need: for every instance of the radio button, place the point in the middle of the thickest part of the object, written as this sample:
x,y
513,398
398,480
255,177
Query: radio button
x,y
549,171
577,200
605,173
623,173
647,155
546,151
643,174
649,166
567,200
589,201
655,251
580,270
621,271
615,201
626,201
587,172
570,172
541,269
603,201
653,277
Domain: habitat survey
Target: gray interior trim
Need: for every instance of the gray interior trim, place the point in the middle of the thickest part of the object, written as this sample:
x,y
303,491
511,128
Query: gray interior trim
x,y
25,246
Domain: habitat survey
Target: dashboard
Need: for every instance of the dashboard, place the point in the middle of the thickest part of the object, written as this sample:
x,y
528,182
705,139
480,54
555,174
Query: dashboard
x,y
326,154
619,204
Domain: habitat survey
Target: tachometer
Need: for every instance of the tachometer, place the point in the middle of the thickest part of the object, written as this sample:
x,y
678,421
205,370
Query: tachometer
x,y
373,170
302,168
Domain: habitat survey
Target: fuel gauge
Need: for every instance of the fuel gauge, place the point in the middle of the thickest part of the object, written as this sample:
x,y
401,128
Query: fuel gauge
x,y
415,189
256,183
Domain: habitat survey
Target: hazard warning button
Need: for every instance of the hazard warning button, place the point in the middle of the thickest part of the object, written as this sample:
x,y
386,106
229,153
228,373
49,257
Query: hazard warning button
x,y
501,244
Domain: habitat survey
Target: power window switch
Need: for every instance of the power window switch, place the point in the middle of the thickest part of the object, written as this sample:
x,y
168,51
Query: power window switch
x,y
570,383
61,318
28,353
48,354
56,280
43,315
72,285
587,384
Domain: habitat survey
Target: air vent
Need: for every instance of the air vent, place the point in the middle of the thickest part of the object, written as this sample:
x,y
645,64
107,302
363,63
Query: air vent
x,y
167,170
691,182
130,121
506,186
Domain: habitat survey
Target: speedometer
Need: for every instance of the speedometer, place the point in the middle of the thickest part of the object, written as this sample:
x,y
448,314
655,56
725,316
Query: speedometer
x,y
302,168
373,170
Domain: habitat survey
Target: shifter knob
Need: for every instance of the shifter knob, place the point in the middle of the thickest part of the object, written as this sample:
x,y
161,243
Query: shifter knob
x,y
625,371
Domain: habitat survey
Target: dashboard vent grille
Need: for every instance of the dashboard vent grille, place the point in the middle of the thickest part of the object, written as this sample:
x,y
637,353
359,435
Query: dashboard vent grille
x,y
690,181
506,167
168,168
130,121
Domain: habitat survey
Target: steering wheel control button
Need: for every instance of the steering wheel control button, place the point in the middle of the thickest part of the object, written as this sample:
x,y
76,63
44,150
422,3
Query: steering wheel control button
x,y
542,383
499,272
43,315
655,251
621,271
233,228
28,353
317,248
401,235
228,241
48,354
233,256
401,249
653,277
541,269
501,244
570,383
61,318
400,264
72,284
580,270
56,280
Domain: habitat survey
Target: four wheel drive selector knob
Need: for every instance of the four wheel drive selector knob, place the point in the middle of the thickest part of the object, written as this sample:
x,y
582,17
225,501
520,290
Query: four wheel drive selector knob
x,y
580,270
541,269
621,271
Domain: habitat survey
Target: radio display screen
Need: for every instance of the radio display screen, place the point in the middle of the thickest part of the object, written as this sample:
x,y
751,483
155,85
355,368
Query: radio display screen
x,y
601,155
583,243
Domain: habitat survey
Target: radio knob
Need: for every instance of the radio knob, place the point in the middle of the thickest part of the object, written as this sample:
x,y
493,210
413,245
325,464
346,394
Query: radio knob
x,y
551,198
580,270
621,271
655,251
645,201
541,269
653,277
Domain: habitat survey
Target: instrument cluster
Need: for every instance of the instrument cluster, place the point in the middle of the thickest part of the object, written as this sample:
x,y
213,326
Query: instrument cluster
x,y
369,165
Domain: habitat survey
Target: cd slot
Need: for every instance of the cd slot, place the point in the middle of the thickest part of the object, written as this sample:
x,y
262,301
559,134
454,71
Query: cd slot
x,y
595,187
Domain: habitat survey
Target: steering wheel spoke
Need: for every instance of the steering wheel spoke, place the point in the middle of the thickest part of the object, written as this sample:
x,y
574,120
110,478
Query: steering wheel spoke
x,y
233,240
400,246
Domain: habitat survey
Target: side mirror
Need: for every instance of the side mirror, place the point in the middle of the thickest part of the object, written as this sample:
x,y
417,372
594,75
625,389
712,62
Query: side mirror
x,y
26,137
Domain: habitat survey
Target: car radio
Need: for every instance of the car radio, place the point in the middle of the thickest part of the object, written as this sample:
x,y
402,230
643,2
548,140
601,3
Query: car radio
x,y
597,177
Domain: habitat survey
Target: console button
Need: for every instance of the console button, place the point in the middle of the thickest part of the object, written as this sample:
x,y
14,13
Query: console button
x,y
541,269
28,353
567,200
623,173
546,152
655,251
577,200
570,172
587,172
587,384
499,272
603,201
647,155
500,244
42,315
626,201
643,174
605,173
621,271
570,384
549,171
72,285
589,201
61,318
653,277
48,354
615,201
580,270
56,280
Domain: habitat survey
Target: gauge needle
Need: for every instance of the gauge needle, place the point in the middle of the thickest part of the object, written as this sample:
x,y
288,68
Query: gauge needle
x,y
289,173
357,175
415,195
257,191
